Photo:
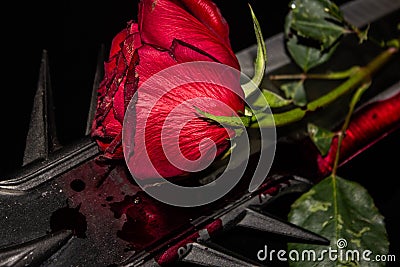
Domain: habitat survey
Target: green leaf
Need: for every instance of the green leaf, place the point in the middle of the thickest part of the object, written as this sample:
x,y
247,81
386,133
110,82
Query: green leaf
x,y
343,212
233,121
312,30
322,138
307,57
319,20
296,92
261,59
271,99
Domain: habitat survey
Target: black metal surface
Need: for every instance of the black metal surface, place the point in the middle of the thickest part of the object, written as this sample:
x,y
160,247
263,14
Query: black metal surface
x,y
41,139
203,255
64,189
34,252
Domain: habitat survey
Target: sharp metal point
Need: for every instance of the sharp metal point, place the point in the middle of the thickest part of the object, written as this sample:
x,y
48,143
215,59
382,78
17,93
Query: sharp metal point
x,y
41,138
33,253
203,255
96,83
271,224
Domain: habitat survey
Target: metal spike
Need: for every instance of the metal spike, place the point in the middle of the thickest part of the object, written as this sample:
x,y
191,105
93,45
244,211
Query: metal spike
x,y
96,83
41,138
203,255
34,252
271,224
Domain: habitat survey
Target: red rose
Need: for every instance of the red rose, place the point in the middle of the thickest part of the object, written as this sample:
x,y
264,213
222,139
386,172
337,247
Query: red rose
x,y
168,33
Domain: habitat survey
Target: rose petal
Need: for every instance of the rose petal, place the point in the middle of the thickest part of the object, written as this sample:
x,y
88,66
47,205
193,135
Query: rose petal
x,y
118,85
148,55
162,21
209,14
155,102
192,131
184,52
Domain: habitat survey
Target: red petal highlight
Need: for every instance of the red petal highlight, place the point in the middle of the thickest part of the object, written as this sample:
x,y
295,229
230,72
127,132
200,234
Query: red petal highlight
x,y
191,131
163,21
209,14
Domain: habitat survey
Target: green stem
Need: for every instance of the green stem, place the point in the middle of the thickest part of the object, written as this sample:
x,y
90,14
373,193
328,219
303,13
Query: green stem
x,y
296,114
323,76
356,97
335,207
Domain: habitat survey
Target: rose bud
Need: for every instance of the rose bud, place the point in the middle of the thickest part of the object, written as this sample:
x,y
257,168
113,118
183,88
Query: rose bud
x,y
167,34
